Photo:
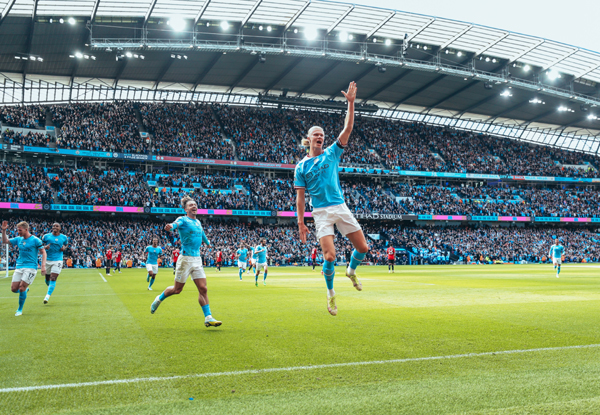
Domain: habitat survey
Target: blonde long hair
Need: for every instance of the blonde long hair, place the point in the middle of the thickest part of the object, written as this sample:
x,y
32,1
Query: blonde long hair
x,y
306,141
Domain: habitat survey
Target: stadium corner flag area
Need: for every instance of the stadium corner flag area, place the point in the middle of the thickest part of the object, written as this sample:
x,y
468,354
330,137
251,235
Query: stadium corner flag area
x,y
296,207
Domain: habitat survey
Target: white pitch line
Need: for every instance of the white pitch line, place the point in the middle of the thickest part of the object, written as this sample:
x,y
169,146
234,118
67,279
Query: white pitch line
x,y
290,369
101,276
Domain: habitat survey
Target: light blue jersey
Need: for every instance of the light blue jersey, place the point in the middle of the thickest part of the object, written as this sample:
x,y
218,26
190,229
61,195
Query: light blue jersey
x,y
319,176
56,243
28,251
556,251
153,254
261,251
192,235
254,255
243,254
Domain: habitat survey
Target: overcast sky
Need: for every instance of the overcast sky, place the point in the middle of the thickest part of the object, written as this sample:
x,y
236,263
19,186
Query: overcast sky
x,y
574,22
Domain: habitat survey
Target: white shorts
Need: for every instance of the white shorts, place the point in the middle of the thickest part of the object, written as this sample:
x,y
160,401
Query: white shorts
x,y
261,265
24,274
189,265
241,264
153,268
556,261
54,267
339,215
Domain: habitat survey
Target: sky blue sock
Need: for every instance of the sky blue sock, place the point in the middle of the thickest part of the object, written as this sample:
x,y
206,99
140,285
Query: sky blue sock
x,y
256,277
22,298
329,273
151,282
265,276
162,296
240,273
206,310
357,258
559,269
51,287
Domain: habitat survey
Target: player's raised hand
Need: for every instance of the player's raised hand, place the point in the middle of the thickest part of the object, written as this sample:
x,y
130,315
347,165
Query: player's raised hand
x,y
168,227
4,225
303,229
351,93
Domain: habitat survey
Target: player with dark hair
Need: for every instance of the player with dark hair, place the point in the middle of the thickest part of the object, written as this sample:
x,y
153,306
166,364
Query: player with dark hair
x,y
55,245
190,262
391,255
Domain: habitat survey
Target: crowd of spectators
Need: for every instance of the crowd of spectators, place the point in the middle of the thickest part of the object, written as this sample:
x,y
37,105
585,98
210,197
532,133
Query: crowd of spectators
x,y
274,135
29,139
185,130
261,135
24,184
488,244
102,126
91,237
27,116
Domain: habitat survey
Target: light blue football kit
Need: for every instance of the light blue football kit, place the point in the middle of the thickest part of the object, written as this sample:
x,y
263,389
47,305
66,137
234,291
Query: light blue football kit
x,y
153,254
54,258
27,263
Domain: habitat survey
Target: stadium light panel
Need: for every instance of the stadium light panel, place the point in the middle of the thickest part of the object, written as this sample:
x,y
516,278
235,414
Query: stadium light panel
x,y
224,25
526,68
177,24
310,33
295,30
552,74
72,21
61,20
260,27
389,42
350,37
506,93
459,54
592,117
269,28
128,54
343,36
487,59
79,55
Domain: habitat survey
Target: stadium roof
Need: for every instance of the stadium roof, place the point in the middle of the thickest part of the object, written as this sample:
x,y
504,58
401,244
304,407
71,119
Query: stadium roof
x,y
401,60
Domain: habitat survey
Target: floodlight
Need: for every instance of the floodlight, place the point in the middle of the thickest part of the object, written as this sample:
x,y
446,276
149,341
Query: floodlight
x,y
526,68
71,21
459,54
343,36
79,55
260,27
177,23
311,33
506,93
128,54
61,20
269,28
552,74
224,25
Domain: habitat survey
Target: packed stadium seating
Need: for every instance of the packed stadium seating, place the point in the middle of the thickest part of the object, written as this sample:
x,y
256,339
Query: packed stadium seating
x,y
273,135
89,238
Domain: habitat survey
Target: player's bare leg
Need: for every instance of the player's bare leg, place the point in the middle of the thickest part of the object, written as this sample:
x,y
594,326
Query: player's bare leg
x,y
209,320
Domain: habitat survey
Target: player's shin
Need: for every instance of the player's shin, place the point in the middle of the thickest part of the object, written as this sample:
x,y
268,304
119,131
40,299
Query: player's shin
x,y
151,281
355,261
47,279
51,287
329,273
22,298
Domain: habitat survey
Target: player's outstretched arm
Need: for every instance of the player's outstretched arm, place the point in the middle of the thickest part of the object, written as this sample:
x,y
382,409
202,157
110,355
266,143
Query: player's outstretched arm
x,y
4,237
300,203
349,122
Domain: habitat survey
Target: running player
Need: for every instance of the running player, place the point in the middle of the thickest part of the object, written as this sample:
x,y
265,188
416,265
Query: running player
x,y
108,264
313,256
251,258
153,252
391,254
118,259
242,254
261,262
556,252
318,174
27,261
190,262
219,260
175,258
55,244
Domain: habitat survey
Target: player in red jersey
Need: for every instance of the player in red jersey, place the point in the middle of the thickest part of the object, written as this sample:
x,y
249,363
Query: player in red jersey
x,y
118,261
313,255
219,260
175,258
391,254
108,264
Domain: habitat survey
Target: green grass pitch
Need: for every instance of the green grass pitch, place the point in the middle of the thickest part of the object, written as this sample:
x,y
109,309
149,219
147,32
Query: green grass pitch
x,y
430,338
